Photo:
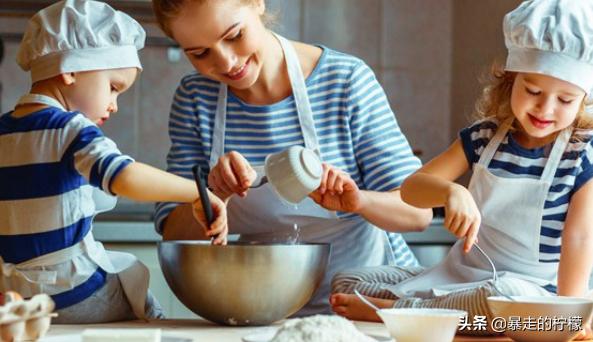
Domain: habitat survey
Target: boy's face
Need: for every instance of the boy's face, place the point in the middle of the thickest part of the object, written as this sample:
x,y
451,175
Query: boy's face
x,y
94,93
223,40
544,105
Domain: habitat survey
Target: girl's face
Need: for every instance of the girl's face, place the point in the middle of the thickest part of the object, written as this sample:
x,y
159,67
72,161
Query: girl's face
x,y
94,93
223,39
544,105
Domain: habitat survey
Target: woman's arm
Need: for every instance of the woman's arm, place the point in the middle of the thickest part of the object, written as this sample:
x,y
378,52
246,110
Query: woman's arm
x,y
576,254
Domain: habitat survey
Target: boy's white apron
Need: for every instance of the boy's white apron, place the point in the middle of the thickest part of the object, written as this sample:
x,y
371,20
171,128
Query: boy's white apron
x,y
52,273
511,211
262,216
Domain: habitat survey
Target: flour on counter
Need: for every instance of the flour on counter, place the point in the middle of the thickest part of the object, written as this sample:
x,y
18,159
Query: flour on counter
x,y
320,328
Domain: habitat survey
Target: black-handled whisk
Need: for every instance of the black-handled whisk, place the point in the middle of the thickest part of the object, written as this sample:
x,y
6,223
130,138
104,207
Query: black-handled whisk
x,y
204,199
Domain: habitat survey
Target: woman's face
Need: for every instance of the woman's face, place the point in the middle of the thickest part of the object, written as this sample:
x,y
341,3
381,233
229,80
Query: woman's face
x,y
223,39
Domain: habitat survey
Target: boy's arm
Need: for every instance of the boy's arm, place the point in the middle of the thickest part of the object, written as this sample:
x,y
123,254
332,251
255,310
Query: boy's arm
x,y
142,182
576,253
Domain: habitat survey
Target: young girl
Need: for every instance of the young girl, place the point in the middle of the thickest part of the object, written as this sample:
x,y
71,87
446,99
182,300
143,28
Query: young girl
x,y
81,55
529,199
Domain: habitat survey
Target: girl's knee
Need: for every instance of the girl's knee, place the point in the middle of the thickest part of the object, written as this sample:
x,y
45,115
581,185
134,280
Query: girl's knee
x,y
344,282
519,287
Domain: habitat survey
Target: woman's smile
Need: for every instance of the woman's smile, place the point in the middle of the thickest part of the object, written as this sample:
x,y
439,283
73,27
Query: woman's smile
x,y
240,72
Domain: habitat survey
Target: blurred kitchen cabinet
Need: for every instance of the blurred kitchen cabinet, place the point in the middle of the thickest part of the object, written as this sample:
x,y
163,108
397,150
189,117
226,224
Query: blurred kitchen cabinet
x,y
147,253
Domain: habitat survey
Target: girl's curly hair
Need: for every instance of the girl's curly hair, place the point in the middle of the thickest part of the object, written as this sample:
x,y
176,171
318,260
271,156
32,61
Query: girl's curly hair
x,y
495,100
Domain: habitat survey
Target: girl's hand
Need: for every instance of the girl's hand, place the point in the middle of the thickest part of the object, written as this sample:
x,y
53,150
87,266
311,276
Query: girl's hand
x,y
232,174
462,217
219,227
585,334
337,191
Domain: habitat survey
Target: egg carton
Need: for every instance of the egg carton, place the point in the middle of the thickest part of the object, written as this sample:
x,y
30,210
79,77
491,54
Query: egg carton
x,y
25,320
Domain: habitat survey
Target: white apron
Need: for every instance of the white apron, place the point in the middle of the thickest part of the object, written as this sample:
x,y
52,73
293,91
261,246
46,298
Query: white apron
x,y
262,216
511,211
51,273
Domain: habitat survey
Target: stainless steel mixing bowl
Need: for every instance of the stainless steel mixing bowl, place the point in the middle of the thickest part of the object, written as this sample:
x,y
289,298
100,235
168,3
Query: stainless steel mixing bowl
x,y
243,284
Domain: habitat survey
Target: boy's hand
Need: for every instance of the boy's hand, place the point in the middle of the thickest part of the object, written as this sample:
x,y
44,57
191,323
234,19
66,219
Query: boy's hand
x,y
462,217
337,191
219,227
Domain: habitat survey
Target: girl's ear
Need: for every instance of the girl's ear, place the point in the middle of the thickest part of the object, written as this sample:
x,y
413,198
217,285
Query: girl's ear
x,y
261,7
68,78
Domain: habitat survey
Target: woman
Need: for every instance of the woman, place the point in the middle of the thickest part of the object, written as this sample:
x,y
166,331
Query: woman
x,y
256,93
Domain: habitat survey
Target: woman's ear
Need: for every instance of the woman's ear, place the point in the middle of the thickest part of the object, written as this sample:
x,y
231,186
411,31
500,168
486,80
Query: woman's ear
x,y
68,78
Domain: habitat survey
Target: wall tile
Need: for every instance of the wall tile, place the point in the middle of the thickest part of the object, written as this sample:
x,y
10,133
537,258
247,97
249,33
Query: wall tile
x,y
286,17
157,85
416,35
351,26
15,82
420,102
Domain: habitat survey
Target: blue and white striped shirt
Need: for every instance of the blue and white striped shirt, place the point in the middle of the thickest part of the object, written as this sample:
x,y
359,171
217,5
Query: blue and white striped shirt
x,y
512,160
356,129
47,160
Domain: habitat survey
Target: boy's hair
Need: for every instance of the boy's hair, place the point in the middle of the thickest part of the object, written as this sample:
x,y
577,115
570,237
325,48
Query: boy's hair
x,y
167,10
495,100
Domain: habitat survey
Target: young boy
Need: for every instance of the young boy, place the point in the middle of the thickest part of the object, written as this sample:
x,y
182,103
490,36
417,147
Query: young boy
x,y
81,54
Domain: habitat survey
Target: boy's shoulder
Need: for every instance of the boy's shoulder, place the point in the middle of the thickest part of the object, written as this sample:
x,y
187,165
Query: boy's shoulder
x,y
45,119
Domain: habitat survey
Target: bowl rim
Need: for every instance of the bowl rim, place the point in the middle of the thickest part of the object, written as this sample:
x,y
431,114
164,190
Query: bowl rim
x,y
426,312
231,244
557,300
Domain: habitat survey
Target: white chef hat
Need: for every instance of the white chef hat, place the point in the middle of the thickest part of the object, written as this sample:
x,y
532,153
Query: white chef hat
x,y
552,37
79,35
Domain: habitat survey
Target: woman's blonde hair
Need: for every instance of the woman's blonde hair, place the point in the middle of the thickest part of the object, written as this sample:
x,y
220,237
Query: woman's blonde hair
x,y
167,10
495,101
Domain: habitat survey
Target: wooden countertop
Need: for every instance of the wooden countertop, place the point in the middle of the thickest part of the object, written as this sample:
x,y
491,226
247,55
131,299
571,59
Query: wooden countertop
x,y
201,330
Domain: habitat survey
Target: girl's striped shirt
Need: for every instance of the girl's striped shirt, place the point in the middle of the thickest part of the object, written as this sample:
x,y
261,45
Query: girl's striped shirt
x,y
512,160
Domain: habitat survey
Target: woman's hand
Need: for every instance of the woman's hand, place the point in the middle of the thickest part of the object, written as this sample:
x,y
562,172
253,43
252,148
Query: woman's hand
x,y
219,227
337,191
462,217
232,174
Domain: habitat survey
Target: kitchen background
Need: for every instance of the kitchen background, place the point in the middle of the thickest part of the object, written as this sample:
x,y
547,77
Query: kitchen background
x,y
427,54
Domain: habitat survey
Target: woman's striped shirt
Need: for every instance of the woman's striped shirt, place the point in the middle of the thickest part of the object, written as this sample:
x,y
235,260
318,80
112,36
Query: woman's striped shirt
x,y
356,129
512,160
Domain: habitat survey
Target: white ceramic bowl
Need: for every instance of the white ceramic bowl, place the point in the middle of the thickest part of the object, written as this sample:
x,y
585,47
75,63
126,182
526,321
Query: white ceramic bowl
x,y
294,173
548,308
413,325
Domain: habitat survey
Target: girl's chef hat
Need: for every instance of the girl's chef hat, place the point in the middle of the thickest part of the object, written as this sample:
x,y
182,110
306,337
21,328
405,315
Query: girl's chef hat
x,y
552,37
79,35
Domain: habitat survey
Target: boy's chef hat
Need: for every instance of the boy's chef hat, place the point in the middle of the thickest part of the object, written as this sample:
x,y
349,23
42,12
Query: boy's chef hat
x,y
79,35
552,37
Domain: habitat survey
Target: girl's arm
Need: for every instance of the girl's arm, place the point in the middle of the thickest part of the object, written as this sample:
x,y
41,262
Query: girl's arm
x,y
433,186
576,253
